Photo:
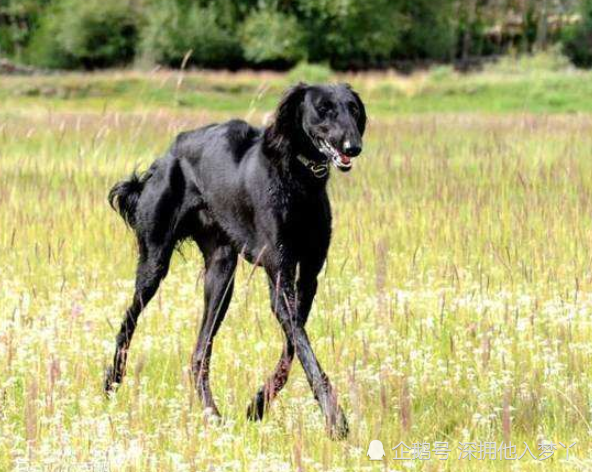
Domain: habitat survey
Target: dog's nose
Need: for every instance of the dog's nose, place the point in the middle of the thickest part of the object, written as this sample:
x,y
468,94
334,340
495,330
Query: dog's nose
x,y
351,150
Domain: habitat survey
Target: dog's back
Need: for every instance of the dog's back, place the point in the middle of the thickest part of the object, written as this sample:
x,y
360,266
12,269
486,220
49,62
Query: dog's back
x,y
235,137
195,158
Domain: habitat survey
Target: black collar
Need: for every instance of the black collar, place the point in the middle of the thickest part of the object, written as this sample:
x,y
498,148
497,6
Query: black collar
x,y
319,170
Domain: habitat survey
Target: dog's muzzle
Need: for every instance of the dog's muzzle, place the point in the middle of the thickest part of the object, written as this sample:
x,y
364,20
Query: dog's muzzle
x,y
339,160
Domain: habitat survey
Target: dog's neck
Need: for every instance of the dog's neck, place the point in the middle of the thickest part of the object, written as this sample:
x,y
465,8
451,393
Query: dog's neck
x,y
296,156
318,169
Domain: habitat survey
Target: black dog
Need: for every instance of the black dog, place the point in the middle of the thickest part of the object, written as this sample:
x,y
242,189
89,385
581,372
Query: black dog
x,y
261,193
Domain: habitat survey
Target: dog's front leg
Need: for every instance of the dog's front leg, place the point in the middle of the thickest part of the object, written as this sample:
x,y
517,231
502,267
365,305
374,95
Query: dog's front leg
x,y
306,289
292,322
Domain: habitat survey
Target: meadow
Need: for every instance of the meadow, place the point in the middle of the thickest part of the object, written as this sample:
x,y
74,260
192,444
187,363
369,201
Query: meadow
x,y
455,306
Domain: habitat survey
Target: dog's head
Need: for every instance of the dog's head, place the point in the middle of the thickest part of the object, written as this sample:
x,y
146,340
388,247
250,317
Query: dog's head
x,y
323,122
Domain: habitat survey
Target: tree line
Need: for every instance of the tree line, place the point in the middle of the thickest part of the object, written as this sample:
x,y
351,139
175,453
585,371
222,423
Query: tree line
x,y
345,34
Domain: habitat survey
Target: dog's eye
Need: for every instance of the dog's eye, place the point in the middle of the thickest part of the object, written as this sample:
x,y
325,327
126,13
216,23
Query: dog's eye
x,y
353,108
324,108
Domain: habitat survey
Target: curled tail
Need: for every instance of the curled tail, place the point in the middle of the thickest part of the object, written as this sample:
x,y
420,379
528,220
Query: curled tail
x,y
124,195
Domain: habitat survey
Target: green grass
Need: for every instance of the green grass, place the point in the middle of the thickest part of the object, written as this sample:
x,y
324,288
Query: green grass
x,y
456,304
501,88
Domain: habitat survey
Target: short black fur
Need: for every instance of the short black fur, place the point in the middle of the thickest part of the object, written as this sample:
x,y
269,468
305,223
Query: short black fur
x,y
239,190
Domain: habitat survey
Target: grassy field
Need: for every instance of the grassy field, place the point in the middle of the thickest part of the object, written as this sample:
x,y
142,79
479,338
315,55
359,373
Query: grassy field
x,y
456,304
542,84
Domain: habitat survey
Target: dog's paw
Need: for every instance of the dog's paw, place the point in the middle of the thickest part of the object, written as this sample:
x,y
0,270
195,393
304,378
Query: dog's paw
x,y
256,409
212,416
337,425
109,385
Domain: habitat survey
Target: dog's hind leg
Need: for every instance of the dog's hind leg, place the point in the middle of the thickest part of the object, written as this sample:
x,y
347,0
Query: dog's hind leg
x,y
306,290
273,385
152,267
220,260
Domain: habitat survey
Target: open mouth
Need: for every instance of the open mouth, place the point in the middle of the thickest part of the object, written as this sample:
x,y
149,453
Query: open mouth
x,y
340,161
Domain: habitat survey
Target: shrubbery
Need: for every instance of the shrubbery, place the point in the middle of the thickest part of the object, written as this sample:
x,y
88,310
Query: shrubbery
x,y
351,34
229,33
174,30
430,33
90,34
273,37
344,34
578,38
18,20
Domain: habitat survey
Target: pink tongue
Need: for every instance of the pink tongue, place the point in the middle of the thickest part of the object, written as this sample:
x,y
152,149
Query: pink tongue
x,y
346,160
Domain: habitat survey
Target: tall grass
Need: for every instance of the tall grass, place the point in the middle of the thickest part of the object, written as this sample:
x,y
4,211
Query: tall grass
x,y
455,305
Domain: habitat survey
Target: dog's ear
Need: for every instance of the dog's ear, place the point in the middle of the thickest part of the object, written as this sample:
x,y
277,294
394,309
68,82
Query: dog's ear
x,y
361,118
287,116
289,107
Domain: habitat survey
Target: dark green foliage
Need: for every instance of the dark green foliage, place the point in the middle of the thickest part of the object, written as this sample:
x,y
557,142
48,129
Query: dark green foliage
x,y
345,34
45,49
577,43
175,30
431,33
351,34
90,34
18,19
273,37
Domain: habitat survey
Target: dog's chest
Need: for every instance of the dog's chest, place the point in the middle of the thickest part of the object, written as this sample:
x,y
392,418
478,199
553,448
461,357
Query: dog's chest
x,y
304,222
292,205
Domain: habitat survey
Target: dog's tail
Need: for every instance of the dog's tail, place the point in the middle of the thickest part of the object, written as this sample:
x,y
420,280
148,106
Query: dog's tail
x,y
124,195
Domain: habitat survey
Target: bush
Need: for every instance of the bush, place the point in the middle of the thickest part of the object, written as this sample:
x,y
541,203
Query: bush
x,y
93,34
345,34
430,33
351,34
272,37
174,29
18,20
44,50
577,41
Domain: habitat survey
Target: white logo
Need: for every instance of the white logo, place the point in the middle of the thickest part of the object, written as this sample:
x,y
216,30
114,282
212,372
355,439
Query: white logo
x,y
375,451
